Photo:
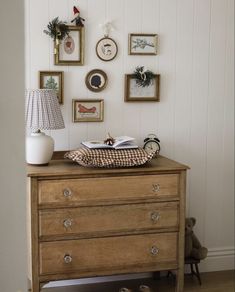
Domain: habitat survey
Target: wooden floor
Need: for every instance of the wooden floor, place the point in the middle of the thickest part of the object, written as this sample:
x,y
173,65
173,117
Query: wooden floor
x,y
211,282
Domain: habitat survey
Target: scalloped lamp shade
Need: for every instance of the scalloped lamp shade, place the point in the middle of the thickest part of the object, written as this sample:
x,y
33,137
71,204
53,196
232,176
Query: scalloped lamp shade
x,y
42,113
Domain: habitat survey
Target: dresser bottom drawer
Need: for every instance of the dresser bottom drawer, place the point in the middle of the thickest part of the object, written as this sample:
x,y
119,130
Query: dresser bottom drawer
x,y
98,254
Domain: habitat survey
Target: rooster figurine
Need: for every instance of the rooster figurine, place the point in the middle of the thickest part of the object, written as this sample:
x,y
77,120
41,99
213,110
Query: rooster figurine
x,y
78,19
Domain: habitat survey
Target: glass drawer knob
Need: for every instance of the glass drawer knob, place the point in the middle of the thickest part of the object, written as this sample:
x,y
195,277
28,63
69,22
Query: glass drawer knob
x,y
67,223
68,259
156,188
67,192
154,250
155,216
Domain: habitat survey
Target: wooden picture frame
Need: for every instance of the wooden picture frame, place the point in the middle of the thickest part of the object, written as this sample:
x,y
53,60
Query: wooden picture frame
x,y
88,110
96,80
71,50
53,80
106,49
142,44
135,93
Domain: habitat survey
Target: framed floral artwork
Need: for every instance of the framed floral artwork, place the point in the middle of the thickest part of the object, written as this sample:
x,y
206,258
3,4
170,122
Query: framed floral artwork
x,y
71,49
53,80
88,110
134,92
142,44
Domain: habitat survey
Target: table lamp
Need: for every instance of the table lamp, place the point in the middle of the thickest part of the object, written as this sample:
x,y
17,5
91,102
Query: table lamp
x,y
42,113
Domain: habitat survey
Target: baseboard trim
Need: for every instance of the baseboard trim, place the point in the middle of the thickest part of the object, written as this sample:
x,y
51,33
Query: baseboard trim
x,y
218,259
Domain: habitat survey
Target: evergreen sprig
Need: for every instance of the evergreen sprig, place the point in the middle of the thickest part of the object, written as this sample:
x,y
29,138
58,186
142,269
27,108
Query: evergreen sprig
x,y
143,78
57,29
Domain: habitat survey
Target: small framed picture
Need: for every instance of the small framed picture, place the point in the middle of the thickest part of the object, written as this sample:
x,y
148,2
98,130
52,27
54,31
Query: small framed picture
x,y
134,92
96,80
142,44
106,49
88,110
53,80
71,50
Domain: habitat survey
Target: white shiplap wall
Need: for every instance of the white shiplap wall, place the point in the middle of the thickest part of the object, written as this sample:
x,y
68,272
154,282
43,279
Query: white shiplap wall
x,y
194,119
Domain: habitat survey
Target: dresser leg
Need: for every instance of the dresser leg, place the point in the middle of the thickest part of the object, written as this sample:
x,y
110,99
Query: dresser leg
x,y
179,281
36,287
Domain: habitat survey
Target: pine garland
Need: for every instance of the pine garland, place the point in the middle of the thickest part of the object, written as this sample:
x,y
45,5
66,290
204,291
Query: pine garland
x,y
143,78
57,29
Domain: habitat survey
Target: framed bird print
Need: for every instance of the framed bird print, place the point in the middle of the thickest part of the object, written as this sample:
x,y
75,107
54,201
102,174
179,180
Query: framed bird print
x,y
142,44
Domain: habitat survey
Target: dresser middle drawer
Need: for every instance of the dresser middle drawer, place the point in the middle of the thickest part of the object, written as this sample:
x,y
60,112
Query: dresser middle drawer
x,y
117,218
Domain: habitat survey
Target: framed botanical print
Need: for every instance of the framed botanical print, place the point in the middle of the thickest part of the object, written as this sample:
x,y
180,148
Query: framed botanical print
x,y
134,92
88,110
142,44
96,80
53,80
106,49
71,49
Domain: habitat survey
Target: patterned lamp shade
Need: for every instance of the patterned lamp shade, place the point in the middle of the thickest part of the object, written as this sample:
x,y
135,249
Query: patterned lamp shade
x,y
43,110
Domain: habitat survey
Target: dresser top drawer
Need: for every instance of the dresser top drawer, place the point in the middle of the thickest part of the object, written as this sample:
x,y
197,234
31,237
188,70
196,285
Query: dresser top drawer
x,y
86,191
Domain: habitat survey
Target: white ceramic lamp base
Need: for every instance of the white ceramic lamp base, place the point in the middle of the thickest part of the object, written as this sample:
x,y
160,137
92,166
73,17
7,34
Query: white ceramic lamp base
x,y
39,148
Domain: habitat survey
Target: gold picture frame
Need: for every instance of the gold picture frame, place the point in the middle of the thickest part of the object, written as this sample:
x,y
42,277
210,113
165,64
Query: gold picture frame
x,y
53,80
71,49
142,44
96,80
135,93
88,110
106,49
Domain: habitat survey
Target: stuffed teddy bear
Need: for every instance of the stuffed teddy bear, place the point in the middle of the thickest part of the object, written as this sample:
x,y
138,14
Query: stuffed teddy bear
x,y
193,247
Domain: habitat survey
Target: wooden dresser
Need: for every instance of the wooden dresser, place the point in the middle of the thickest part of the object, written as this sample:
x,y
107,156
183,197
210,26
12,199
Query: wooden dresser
x,y
87,222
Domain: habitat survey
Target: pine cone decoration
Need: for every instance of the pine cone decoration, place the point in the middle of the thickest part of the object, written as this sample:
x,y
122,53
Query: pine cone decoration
x,y
109,141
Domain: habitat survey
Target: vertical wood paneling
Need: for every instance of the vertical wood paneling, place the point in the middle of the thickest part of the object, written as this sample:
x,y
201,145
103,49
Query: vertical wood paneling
x,y
76,88
60,9
97,11
194,118
183,90
150,24
214,192
167,36
39,42
198,130
227,140
114,69
131,111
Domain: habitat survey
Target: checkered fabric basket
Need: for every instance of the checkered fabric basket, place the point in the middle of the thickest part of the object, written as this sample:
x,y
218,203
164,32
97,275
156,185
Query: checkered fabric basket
x,y
109,158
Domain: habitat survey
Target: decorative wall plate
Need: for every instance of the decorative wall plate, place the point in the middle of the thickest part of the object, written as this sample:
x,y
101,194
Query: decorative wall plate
x,y
96,80
106,49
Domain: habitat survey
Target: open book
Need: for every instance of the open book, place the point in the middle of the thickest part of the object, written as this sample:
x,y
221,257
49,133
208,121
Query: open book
x,y
122,142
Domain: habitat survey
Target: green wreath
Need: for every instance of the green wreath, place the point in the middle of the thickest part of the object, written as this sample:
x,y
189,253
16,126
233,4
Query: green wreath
x,y
57,29
143,78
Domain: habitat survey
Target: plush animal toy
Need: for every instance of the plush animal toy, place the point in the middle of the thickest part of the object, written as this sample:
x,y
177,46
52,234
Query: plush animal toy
x,y
193,247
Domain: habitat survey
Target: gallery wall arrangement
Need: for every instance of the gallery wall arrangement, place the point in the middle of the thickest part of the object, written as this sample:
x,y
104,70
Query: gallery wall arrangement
x,y
188,47
69,50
